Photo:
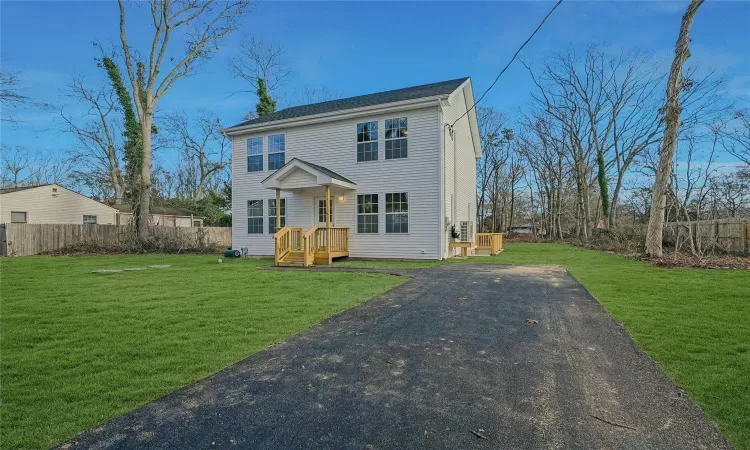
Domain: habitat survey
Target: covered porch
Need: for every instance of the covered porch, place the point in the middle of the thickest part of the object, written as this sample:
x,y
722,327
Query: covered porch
x,y
320,242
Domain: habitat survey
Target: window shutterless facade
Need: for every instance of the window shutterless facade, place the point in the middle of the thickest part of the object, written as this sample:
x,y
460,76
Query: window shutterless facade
x,y
272,215
17,217
367,213
276,151
255,154
367,141
89,219
255,217
397,212
396,131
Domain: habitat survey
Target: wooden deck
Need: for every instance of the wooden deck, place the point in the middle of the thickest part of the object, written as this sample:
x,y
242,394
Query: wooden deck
x,y
318,245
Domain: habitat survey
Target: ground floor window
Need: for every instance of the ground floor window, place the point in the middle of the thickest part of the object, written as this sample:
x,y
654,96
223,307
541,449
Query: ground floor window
x,y
255,217
367,213
17,217
397,212
272,215
89,219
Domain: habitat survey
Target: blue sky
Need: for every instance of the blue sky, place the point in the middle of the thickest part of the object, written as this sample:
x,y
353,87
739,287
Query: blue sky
x,y
358,47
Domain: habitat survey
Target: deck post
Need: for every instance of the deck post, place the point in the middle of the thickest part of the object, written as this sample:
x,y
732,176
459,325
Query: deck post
x,y
278,209
328,218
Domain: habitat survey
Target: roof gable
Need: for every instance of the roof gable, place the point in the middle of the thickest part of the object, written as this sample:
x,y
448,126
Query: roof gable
x,y
443,88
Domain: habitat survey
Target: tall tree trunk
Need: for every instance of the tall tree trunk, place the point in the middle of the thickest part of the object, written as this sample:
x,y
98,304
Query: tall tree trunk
x,y
145,192
672,111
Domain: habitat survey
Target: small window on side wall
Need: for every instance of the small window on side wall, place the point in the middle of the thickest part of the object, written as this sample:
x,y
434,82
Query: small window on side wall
x,y
89,219
396,131
367,141
276,151
17,217
255,154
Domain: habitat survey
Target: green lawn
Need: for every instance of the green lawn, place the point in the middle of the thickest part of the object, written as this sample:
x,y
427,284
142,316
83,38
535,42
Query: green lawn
x,y
694,322
79,348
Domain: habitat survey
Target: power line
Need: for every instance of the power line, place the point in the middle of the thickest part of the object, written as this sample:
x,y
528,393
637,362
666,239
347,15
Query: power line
x,y
515,55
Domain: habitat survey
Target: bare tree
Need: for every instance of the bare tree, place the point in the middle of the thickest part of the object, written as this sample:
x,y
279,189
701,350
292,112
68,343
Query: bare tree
x,y
672,112
737,139
98,155
257,59
317,94
201,25
204,152
20,166
11,95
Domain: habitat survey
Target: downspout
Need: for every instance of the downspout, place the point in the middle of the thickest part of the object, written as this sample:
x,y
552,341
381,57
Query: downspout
x,y
441,204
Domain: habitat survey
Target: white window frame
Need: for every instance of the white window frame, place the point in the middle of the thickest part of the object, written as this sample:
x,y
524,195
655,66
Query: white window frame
x,y
385,209
96,219
254,155
273,149
272,217
376,141
358,214
404,138
261,217
25,216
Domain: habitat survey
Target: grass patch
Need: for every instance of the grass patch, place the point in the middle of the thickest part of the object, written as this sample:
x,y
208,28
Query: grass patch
x,y
80,348
694,322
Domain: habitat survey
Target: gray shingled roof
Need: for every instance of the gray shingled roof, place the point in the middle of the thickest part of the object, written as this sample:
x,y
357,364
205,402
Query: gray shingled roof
x,y
326,171
361,101
21,188
161,210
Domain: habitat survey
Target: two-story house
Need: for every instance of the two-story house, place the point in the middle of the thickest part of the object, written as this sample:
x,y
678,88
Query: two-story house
x,y
385,175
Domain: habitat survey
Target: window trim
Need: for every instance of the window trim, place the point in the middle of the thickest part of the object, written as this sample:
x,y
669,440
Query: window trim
x,y
262,216
283,216
376,141
386,213
357,213
248,155
25,216
96,219
385,139
283,136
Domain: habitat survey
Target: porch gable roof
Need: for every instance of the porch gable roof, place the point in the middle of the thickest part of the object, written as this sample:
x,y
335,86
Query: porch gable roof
x,y
323,175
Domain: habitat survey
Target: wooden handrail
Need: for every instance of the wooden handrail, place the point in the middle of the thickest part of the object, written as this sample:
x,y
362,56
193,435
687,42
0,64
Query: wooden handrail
x,y
489,241
309,246
287,239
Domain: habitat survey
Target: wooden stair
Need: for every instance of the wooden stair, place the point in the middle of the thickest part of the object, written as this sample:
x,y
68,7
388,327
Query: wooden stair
x,y
293,259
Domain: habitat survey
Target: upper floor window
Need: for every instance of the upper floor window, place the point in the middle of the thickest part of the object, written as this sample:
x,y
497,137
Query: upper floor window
x,y
367,213
397,213
367,141
272,215
276,151
395,138
255,154
255,216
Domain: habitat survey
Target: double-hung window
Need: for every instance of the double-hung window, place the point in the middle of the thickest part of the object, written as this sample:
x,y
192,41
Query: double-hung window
x,y
395,138
276,151
272,215
89,219
367,141
255,217
255,154
367,213
397,213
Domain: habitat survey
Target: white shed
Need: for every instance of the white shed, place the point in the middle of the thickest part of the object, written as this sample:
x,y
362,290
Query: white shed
x,y
52,203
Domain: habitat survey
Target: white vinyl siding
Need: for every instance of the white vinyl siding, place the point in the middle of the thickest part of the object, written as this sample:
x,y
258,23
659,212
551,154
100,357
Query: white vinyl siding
x,y
327,145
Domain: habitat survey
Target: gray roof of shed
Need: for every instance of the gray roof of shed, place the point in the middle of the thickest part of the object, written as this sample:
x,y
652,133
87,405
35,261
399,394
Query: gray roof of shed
x,y
361,101
22,188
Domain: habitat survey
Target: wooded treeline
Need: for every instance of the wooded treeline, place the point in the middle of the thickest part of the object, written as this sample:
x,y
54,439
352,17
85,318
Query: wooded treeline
x,y
581,155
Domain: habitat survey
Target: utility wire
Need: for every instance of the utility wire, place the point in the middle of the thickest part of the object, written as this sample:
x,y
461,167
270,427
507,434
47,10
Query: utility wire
x,y
515,55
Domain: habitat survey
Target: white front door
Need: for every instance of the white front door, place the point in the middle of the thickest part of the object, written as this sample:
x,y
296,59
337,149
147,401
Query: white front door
x,y
319,209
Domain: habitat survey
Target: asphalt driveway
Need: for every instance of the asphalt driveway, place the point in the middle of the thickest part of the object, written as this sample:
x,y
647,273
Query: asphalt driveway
x,y
445,361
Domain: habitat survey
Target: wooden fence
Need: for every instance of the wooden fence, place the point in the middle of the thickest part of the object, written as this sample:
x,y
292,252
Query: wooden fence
x,y
22,239
731,235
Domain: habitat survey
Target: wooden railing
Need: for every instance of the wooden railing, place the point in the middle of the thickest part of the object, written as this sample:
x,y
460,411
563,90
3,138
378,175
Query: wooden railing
x,y
309,245
287,239
337,237
489,241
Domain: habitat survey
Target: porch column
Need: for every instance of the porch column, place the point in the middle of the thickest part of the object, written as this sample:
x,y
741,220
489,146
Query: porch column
x,y
278,209
328,218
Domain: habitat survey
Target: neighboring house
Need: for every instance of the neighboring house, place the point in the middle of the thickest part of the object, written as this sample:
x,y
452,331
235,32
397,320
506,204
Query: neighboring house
x,y
161,216
52,203
522,229
397,171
